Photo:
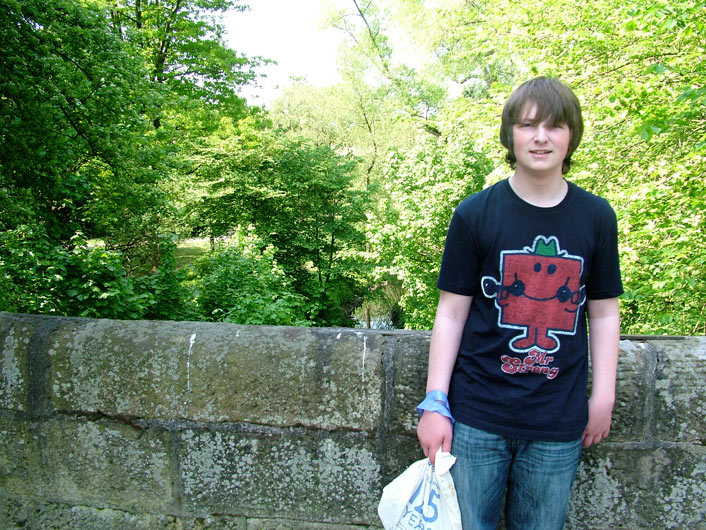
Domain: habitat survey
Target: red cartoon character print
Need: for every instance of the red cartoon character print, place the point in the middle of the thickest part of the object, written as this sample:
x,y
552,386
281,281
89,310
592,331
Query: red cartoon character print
x,y
539,294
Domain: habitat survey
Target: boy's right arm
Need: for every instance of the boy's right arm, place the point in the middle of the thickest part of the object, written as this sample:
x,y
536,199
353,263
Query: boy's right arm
x,y
435,430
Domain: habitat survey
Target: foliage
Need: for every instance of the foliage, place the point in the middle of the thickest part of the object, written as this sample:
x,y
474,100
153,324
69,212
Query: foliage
x,y
424,186
38,276
80,154
241,282
84,150
664,226
351,117
180,44
297,197
371,56
167,290
67,92
44,278
121,120
644,107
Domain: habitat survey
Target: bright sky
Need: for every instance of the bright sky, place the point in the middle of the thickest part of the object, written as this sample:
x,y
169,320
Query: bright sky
x,y
287,31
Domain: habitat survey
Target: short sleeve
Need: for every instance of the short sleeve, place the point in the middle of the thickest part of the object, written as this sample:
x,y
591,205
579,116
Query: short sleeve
x,y
605,281
460,265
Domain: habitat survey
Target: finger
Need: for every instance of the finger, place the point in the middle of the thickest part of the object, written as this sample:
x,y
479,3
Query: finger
x,y
592,439
587,439
446,445
432,455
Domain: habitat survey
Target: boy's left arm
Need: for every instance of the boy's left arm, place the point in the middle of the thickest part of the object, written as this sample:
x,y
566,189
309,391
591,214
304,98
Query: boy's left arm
x,y
604,338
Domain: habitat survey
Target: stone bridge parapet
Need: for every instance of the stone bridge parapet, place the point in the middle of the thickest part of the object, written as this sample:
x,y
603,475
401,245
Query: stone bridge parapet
x,y
165,425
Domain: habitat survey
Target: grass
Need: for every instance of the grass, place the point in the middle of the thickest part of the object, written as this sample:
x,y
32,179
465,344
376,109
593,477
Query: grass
x,y
189,250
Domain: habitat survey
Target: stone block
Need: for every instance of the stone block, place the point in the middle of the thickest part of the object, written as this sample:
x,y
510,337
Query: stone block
x,y
680,387
108,464
304,476
135,369
288,524
286,376
409,353
279,376
631,487
86,462
631,414
30,514
397,453
15,337
20,457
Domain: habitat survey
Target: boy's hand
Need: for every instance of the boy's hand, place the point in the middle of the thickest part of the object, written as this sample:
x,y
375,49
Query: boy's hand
x,y
599,418
434,431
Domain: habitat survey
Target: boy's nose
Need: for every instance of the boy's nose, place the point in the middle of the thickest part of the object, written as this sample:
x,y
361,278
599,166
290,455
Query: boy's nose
x,y
541,134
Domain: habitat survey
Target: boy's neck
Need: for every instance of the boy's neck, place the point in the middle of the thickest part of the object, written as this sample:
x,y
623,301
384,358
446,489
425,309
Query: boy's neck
x,y
544,191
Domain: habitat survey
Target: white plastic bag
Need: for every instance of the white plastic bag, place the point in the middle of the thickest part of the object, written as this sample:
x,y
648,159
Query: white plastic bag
x,y
423,497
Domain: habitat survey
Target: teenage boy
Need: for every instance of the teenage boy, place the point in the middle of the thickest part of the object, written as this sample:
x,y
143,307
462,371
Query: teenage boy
x,y
527,261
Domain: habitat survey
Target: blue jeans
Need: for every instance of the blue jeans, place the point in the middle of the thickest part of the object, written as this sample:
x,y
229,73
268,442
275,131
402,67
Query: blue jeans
x,y
534,477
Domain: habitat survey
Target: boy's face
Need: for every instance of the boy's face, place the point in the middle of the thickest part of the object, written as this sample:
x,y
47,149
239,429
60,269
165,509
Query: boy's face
x,y
539,148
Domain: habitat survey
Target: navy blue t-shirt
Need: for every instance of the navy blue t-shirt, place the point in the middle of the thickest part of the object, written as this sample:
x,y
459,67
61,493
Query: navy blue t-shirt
x,y
522,366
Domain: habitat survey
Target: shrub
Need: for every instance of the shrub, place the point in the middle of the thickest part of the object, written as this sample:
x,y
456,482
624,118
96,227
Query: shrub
x,y
240,282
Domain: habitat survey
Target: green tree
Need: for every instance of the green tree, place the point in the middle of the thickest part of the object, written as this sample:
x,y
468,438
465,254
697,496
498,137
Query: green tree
x,y
181,43
297,197
424,185
350,117
184,55
68,118
370,55
81,157
637,71
40,277
73,144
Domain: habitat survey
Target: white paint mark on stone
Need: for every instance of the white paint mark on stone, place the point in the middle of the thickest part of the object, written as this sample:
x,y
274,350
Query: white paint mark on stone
x,y
192,338
365,351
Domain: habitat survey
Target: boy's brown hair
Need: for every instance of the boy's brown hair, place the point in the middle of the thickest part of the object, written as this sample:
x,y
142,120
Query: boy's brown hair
x,y
555,101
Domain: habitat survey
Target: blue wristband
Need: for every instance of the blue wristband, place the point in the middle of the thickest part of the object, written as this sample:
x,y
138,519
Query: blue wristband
x,y
436,401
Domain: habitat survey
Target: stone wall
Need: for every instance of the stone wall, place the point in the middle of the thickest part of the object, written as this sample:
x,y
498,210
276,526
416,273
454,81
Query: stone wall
x,y
181,425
